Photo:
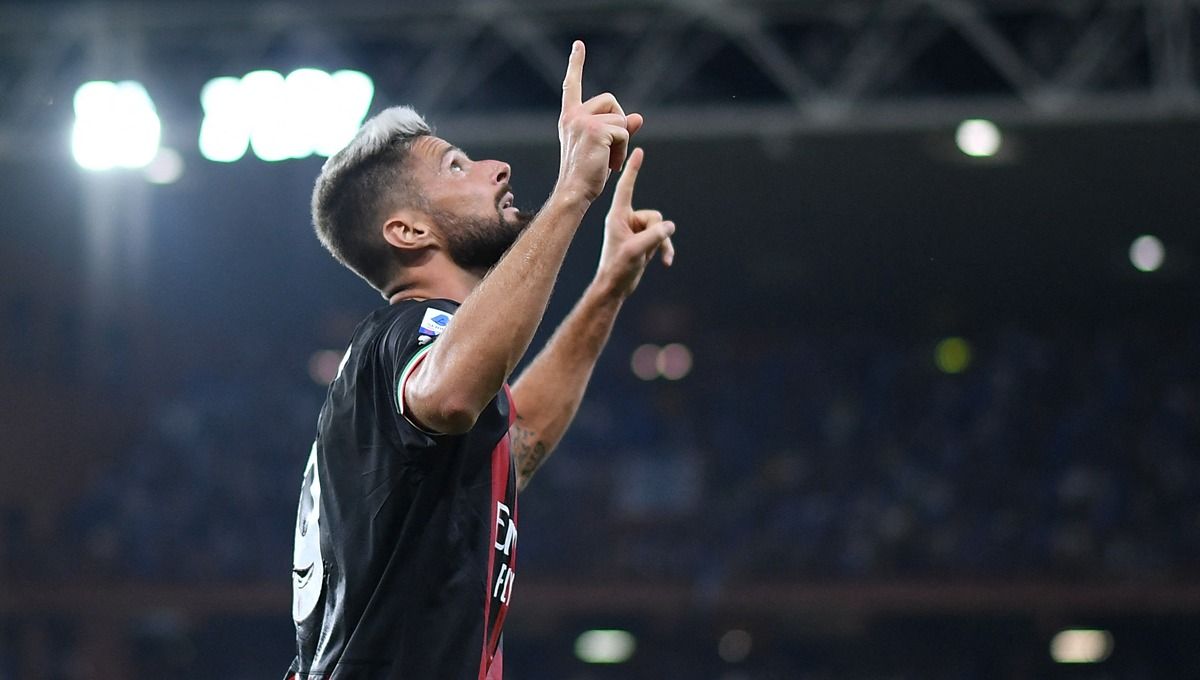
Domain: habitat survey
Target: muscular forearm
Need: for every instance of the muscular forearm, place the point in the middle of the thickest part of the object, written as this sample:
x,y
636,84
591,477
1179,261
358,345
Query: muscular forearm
x,y
549,391
492,329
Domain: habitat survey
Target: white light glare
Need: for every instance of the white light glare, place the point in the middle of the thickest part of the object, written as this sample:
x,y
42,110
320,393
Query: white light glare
x,y
225,132
605,646
273,135
345,110
307,112
1147,253
166,168
1081,646
116,126
978,138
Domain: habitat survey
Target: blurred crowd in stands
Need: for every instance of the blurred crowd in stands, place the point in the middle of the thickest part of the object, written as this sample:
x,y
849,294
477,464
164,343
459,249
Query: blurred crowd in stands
x,y
801,455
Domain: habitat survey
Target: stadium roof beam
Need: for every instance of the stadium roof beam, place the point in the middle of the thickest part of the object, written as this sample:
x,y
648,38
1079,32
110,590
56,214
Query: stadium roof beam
x,y
706,67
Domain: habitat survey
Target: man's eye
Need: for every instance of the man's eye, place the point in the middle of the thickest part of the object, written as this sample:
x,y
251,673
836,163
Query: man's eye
x,y
455,166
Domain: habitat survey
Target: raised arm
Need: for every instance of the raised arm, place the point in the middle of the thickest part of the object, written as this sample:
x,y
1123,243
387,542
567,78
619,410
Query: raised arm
x,y
549,391
491,331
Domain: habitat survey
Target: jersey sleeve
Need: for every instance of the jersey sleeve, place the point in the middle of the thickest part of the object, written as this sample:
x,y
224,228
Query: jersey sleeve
x,y
409,337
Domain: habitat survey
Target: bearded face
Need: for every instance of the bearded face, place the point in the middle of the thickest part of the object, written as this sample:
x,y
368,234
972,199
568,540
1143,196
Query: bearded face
x,y
478,243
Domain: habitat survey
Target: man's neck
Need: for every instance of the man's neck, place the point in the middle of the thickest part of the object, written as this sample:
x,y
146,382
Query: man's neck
x,y
449,285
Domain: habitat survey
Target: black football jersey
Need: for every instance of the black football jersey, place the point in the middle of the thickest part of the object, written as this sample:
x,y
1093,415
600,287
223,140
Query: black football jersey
x,y
405,540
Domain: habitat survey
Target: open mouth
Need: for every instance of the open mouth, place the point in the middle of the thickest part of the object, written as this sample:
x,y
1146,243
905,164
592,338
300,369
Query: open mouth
x,y
507,201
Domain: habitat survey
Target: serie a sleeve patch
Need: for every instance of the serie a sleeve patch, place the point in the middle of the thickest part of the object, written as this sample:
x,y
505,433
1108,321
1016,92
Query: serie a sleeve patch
x,y
433,325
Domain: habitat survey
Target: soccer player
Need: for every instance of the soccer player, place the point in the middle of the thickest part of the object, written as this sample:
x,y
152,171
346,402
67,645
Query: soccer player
x,y
406,535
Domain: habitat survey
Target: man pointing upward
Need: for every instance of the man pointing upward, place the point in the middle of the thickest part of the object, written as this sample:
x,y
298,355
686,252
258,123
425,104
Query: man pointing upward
x,y
407,530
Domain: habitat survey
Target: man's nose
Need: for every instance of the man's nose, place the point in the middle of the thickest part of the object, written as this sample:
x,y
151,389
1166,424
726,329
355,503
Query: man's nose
x,y
501,172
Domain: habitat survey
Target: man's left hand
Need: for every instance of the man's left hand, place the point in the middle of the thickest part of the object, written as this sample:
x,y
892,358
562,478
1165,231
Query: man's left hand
x,y
631,237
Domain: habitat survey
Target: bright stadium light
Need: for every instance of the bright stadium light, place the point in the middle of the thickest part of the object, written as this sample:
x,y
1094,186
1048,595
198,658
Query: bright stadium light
x,y
225,132
309,100
978,138
308,111
605,646
271,133
1081,646
1147,253
351,95
116,126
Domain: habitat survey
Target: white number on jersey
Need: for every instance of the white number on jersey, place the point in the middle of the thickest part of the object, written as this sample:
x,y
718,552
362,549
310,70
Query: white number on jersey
x,y
308,568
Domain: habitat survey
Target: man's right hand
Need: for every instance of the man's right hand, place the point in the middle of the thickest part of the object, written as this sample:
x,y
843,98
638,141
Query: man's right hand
x,y
593,135
471,361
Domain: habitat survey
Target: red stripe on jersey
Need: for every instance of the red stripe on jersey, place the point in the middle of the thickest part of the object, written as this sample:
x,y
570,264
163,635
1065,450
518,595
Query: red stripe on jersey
x,y
496,671
492,661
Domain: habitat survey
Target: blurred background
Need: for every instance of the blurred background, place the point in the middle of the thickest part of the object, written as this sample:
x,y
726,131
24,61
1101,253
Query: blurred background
x,y
920,398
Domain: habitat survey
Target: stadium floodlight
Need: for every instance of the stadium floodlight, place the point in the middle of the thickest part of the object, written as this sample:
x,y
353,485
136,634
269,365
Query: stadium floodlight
x,y
1147,253
1081,646
271,133
225,132
308,111
978,138
310,101
605,646
351,95
116,126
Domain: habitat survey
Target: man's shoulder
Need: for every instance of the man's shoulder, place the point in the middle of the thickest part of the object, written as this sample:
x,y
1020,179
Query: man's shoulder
x,y
404,327
406,315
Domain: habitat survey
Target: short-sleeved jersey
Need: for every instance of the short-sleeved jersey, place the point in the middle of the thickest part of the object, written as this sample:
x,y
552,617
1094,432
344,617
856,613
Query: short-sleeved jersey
x,y
405,541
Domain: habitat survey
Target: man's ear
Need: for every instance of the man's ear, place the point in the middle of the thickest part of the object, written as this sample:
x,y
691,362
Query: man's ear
x,y
408,230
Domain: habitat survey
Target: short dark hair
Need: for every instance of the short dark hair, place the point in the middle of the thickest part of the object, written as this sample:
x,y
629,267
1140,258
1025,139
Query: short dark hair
x,y
362,183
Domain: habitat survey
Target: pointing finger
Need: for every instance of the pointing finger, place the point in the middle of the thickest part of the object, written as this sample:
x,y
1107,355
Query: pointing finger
x,y
573,83
623,194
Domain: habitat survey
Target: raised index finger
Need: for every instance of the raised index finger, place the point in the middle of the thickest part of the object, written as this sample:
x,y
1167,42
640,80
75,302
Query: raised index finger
x,y
573,83
623,194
